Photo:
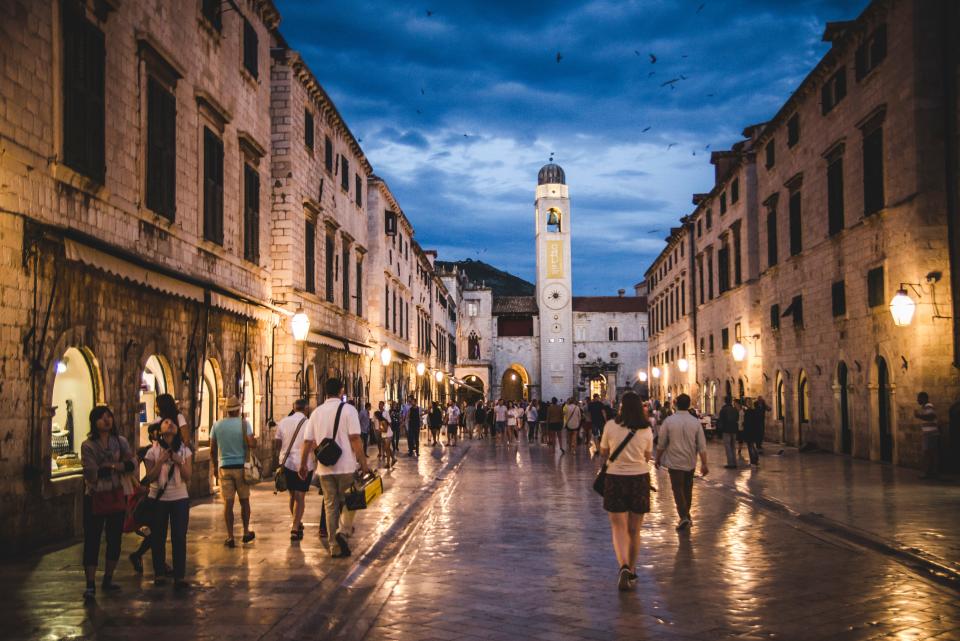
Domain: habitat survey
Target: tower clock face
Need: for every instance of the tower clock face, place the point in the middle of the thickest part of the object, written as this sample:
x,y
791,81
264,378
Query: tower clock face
x,y
555,296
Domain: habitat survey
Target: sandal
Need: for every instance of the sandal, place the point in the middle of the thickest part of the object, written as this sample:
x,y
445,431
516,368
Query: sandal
x,y
230,542
249,536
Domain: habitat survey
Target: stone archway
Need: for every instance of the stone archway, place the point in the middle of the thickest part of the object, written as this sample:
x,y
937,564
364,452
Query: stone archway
x,y
514,383
472,390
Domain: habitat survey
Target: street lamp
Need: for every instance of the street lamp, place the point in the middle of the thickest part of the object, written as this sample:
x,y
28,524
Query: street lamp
x,y
386,355
439,376
655,372
642,377
902,308
300,325
738,351
421,368
683,365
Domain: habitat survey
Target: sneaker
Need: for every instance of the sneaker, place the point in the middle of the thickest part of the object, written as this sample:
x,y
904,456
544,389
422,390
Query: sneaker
x,y
249,536
623,579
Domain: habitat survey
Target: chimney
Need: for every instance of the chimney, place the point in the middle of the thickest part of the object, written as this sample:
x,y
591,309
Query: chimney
x,y
621,292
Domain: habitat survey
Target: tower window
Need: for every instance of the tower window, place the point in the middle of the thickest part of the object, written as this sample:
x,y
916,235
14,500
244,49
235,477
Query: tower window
x,y
554,220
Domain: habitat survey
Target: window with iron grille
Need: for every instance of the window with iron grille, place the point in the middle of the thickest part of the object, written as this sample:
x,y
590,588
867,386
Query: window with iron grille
x,y
161,149
212,187
793,130
309,257
330,261
875,288
835,195
308,129
871,52
796,224
211,11
873,171
838,296
251,214
251,49
84,57
775,316
833,91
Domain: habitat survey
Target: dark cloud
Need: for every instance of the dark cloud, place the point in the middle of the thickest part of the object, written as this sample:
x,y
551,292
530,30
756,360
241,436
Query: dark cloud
x,y
414,85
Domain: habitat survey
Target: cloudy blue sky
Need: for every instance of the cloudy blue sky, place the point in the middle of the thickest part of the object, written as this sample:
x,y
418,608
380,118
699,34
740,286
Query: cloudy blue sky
x,y
458,109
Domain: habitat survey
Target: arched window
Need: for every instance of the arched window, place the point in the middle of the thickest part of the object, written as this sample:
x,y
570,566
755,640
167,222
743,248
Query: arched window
x,y
473,346
76,390
209,401
779,397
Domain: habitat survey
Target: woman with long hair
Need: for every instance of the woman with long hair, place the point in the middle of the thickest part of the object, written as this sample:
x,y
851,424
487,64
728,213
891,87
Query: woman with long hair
x,y
105,456
167,408
627,444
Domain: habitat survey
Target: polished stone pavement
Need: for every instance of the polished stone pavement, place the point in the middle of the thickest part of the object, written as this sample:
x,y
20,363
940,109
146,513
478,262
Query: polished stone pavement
x,y
510,543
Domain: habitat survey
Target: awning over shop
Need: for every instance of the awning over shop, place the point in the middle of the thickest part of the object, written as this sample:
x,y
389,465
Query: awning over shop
x,y
315,338
241,308
128,271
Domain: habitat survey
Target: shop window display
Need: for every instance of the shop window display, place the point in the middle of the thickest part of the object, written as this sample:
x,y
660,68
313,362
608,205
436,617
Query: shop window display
x,y
209,403
154,380
76,390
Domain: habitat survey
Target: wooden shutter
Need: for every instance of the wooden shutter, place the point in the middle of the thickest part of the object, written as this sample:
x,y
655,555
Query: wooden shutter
x,y
84,60
310,252
796,224
161,149
251,214
212,187
838,296
835,196
250,48
873,195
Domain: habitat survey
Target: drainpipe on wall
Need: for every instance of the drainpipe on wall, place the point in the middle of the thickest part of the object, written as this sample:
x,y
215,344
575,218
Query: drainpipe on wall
x,y
951,17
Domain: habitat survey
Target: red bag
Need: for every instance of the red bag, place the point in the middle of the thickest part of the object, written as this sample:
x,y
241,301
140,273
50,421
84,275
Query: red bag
x,y
129,521
107,502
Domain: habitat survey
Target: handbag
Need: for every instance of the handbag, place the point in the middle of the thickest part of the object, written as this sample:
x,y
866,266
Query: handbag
x,y
361,495
147,510
279,478
601,479
107,502
328,452
252,470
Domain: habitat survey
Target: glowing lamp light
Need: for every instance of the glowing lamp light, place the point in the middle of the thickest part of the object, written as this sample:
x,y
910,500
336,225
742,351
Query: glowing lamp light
x,y
683,365
61,367
642,377
300,325
513,377
739,352
439,376
386,355
655,372
421,368
902,308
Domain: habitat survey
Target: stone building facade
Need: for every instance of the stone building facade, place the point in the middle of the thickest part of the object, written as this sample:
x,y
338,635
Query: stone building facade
x,y
844,202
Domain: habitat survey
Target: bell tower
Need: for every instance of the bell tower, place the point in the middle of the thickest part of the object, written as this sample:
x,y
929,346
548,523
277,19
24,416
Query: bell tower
x,y
554,283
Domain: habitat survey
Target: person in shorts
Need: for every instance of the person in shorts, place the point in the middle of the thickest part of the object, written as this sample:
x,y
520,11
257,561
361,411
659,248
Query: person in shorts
x,y
290,433
230,438
453,422
500,412
626,490
555,423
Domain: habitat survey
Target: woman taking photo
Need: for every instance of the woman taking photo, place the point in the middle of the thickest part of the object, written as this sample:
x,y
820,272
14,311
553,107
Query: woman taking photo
x,y
105,456
628,442
168,472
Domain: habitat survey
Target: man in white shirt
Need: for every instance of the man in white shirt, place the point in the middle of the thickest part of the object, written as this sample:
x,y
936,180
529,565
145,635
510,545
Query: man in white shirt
x,y
453,422
681,440
291,432
335,479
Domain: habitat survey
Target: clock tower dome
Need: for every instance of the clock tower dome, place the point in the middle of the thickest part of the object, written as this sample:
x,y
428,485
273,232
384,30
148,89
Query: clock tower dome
x,y
554,284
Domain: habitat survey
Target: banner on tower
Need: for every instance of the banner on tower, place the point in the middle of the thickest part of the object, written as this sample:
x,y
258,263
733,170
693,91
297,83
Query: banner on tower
x,y
554,259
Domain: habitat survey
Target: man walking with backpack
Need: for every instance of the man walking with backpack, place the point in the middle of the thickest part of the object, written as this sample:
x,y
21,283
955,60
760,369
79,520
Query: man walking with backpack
x,y
334,430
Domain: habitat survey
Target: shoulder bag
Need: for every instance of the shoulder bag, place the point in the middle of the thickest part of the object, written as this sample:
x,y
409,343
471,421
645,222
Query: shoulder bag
x,y
252,467
328,452
279,477
601,479
147,510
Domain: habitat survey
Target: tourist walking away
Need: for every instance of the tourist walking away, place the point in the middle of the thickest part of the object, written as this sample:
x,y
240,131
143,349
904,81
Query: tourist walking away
x,y
470,419
727,424
106,457
413,427
435,422
763,408
738,404
453,422
335,427
532,421
168,471
597,411
572,414
364,426
555,423
396,418
681,442
388,457
929,437
230,438
753,418
499,420
627,444
481,419
290,436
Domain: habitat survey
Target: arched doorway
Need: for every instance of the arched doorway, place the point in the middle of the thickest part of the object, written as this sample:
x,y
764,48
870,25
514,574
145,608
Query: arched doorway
x,y
712,402
598,386
803,404
471,391
77,389
780,406
154,380
741,392
883,411
846,437
511,386
209,401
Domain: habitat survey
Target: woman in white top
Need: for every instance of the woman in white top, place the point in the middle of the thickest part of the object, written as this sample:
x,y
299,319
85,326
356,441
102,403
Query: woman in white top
x,y
168,471
626,492
513,422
